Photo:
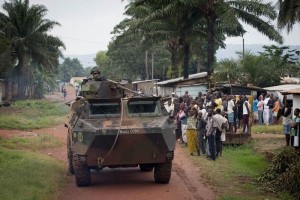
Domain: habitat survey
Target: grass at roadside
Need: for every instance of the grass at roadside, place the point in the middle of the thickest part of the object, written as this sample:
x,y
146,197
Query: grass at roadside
x,y
32,114
276,129
34,143
28,175
234,173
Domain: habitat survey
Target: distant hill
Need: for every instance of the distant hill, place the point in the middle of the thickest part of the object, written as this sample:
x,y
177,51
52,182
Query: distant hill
x,y
86,60
231,49
230,52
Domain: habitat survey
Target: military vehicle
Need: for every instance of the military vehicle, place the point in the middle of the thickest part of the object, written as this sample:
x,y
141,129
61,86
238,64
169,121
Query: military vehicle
x,y
109,125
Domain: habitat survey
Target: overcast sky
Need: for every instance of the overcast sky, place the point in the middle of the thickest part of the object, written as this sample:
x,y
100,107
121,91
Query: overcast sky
x,y
86,25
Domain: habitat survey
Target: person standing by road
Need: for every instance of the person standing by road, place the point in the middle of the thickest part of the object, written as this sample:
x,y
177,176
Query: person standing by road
x,y
218,101
191,132
246,114
240,110
260,107
255,109
210,134
271,106
266,112
217,122
180,117
201,130
65,93
275,110
286,121
230,113
296,129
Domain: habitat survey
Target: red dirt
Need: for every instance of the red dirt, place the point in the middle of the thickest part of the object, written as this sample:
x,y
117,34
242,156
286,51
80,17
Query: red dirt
x,y
128,183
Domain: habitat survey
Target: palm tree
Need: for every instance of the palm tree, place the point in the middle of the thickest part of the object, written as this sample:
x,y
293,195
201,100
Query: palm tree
x,y
173,21
219,16
289,13
228,13
30,40
228,70
150,34
8,58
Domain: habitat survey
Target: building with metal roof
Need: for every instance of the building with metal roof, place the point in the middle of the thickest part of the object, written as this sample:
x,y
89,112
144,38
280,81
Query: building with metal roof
x,y
194,83
283,87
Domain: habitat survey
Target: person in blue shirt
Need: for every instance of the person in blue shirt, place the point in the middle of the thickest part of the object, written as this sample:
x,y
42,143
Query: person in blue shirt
x,y
255,109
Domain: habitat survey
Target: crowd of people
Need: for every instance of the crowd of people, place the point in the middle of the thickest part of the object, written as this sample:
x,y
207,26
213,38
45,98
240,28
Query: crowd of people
x,y
201,122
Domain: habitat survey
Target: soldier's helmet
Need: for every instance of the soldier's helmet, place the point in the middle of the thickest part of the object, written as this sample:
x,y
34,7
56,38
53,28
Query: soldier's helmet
x,y
95,70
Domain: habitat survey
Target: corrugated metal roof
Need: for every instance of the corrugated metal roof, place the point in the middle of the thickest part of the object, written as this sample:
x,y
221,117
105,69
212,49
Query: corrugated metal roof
x,y
296,91
191,76
283,87
243,86
145,81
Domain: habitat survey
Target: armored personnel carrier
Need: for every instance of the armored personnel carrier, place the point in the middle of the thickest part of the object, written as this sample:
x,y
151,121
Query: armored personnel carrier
x,y
109,125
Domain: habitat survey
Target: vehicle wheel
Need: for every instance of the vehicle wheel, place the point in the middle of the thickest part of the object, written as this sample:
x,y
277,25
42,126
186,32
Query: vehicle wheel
x,y
146,167
82,171
70,157
162,172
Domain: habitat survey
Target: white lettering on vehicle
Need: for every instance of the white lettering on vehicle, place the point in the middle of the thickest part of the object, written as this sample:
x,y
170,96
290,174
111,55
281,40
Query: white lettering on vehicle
x,y
130,131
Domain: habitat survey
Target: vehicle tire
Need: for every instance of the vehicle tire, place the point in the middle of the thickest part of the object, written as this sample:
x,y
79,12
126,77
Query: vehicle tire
x,y
70,156
82,171
162,172
146,167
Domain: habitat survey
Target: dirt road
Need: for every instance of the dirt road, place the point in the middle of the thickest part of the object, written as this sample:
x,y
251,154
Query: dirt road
x,y
130,183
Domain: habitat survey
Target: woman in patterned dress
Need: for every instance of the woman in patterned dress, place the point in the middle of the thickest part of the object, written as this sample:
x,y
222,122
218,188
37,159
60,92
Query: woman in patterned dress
x,y
191,132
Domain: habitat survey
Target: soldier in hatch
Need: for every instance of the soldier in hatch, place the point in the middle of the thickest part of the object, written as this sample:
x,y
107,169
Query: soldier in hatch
x,y
96,74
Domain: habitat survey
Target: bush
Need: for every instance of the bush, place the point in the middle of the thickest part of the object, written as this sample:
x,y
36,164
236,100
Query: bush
x,y
283,174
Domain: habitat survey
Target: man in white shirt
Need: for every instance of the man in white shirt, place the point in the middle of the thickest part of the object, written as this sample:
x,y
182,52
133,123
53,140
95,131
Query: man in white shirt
x,y
217,122
266,112
169,105
230,113
210,135
246,113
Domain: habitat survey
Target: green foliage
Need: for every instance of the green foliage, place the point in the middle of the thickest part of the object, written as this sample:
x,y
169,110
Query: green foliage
x,y
283,174
31,114
101,59
269,67
30,45
289,14
5,51
263,70
228,70
197,24
70,68
25,175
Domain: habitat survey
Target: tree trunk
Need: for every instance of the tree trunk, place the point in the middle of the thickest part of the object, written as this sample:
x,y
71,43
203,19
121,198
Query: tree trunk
x,y
210,48
173,48
24,62
9,85
199,65
186,63
146,65
174,67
